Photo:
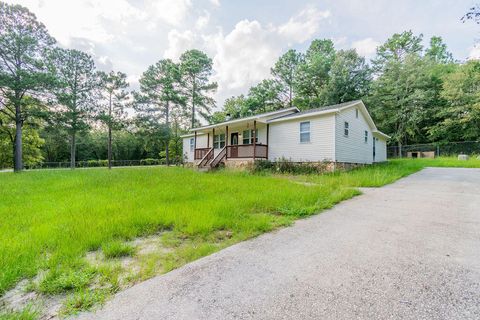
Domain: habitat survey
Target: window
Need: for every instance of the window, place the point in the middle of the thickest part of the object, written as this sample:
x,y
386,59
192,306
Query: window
x,y
345,129
192,144
366,136
304,132
356,113
219,141
248,137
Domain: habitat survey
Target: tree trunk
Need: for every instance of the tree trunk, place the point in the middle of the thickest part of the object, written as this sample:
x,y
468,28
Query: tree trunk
x,y
73,148
109,147
17,149
167,121
290,95
110,133
193,102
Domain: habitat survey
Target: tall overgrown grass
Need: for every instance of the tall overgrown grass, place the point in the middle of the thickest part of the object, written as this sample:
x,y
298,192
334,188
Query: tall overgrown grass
x,y
50,219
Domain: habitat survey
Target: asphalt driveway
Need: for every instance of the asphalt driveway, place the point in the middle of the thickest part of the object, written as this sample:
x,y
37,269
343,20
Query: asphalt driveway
x,y
410,250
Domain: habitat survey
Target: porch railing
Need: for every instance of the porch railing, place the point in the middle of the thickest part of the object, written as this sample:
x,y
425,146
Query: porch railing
x,y
206,159
247,151
200,153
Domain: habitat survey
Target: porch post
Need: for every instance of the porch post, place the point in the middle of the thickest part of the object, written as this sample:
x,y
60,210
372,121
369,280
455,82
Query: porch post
x,y
268,129
226,142
208,140
254,138
195,147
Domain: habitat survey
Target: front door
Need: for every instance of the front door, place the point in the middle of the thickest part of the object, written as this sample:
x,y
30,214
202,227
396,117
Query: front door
x,y
234,145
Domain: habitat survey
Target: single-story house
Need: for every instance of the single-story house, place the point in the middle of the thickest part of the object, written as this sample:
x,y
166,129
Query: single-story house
x,y
343,133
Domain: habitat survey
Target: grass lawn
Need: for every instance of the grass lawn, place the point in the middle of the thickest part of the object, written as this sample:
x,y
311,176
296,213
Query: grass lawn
x,y
50,220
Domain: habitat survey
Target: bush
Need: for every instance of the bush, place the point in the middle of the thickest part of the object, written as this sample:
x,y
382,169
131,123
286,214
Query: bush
x,y
149,162
288,166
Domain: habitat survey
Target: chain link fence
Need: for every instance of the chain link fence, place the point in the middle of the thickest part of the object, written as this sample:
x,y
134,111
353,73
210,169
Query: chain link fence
x,y
434,149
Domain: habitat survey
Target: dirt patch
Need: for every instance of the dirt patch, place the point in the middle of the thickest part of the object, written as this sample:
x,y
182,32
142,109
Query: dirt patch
x,y
113,274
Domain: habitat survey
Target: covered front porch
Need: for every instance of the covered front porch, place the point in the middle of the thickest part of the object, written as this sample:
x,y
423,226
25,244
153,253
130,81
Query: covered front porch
x,y
242,140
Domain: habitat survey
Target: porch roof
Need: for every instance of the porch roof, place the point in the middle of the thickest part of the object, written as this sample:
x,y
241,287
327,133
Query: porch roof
x,y
262,117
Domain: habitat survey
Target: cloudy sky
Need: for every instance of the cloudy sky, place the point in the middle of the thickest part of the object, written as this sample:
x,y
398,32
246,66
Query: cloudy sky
x,y
244,38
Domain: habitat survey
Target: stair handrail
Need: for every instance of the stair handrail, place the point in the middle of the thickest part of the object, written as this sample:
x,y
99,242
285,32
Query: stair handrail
x,y
222,154
206,158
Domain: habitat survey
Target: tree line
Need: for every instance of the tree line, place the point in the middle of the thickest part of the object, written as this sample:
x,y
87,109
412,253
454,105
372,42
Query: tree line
x,y
415,94
49,94
56,106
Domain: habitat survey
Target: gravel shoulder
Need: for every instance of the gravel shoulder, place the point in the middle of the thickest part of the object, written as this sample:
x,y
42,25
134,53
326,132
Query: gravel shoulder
x,y
409,250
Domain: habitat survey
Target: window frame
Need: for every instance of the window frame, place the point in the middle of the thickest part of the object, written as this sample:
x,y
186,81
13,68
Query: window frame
x,y
192,144
250,137
356,113
346,128
304,132
218,142
366,136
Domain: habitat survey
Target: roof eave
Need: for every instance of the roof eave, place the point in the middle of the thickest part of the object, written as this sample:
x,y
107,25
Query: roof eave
x,y
254,117
303,115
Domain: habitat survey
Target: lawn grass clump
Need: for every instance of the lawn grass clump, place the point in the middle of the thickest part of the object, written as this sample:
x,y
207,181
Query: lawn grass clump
x,y
27,313
63,279
82,301
117,249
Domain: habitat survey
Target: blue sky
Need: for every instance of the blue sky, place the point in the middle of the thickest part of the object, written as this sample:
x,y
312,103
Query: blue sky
x,y
243,38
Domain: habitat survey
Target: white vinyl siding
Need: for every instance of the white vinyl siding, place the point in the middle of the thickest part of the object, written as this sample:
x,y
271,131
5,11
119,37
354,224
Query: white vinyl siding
x,y
351,133
188,153
284,141
380,149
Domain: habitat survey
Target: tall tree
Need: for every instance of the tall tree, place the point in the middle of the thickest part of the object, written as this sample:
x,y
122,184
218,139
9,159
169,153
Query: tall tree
x,y
159,93
112,89
196,68
350,78
264,97
313,74
401,97
461,117
438,51
75,100
24,43
285,72
397,48
473,14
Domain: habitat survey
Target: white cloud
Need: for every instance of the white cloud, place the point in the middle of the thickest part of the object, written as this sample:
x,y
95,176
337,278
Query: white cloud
x,y
179,42
171,12
303,25
474,53
244,56
366,47
216,3
203,20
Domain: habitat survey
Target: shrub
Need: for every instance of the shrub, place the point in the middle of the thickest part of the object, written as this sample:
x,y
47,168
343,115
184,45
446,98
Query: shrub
x,y
149,162
287,166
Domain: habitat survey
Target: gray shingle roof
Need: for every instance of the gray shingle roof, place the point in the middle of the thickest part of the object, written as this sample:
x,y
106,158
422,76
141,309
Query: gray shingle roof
x,y
334,106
